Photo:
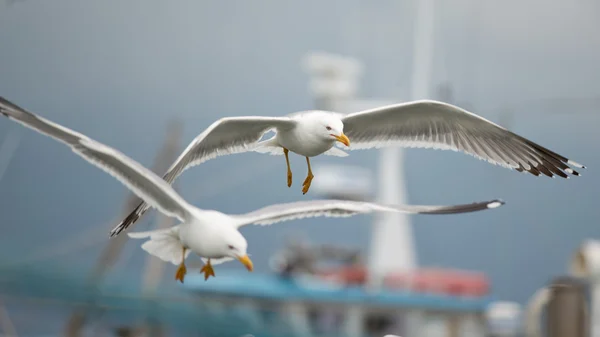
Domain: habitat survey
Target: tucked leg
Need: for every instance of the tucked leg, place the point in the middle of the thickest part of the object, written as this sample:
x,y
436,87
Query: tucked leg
x,y
289,170
181,271
309,178
207,270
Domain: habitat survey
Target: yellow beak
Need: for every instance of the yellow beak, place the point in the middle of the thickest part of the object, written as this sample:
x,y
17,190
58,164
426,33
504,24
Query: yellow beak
x,y
245,260
343,139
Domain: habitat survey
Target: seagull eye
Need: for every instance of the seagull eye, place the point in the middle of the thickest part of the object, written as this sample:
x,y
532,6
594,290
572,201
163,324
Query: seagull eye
x,y
328,127
231,247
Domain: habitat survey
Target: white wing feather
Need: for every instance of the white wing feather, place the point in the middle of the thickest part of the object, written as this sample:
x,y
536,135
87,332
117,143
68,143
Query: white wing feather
x,y
345,208
226,136
437,125
140,180
335,152
163,243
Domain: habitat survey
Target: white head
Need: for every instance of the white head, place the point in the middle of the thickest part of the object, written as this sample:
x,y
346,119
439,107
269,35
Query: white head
x,y
330,127
235,245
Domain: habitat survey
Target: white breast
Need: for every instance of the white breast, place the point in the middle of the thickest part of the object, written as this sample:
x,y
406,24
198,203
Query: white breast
x,y
203,236
304,140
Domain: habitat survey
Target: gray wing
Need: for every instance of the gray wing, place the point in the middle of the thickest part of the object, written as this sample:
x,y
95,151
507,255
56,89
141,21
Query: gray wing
x,y
226,136
345,208
140,180
431,124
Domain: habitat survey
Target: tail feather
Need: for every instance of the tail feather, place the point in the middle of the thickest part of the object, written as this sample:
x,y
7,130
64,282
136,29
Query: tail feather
x,y
163,243
272,147
269,146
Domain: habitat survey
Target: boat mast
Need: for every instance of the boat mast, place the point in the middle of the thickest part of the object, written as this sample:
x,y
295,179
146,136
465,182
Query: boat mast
x,y
392,243
334,83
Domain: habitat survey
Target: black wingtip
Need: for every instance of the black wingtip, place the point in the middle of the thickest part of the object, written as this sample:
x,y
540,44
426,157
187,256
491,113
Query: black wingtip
x,y
117,230
114,232
9,104
130,219
5,105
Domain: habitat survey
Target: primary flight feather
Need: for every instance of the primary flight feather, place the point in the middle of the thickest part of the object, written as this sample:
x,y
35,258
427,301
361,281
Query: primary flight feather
x,y
210,234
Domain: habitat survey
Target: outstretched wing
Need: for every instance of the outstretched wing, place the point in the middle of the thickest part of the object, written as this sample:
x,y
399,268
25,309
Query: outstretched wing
x,y
226,136
345,208
432,124
140,180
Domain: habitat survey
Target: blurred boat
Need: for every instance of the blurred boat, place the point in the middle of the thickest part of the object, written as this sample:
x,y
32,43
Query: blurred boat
x,y
336,301
297,298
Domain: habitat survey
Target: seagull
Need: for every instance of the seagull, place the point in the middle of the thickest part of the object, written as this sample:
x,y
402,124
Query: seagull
x,y
421,124
210,234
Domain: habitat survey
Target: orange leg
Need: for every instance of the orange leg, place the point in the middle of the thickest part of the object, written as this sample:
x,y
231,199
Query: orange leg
x,y
207,270
289,170
182,270
309,178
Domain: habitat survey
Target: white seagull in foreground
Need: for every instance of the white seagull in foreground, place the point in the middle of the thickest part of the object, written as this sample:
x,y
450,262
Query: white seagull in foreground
x,y
424,124
212,235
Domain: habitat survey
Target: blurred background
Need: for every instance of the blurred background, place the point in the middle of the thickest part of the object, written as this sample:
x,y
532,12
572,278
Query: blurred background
x,y
147,76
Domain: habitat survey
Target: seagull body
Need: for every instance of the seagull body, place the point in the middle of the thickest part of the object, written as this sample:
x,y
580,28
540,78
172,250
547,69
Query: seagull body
x,y
310,136
421,124
212,235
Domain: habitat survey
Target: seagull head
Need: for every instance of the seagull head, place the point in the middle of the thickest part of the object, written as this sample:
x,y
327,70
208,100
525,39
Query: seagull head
x,y
331,127
235,246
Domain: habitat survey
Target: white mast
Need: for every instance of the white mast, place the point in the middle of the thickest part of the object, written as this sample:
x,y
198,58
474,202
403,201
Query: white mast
x,y
392,243
334,84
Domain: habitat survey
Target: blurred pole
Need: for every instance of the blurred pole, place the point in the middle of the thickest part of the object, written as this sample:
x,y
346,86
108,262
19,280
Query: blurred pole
x,y
565,306
566,314
7,150
163,161
6,323
586,264
393,230
533,312
154,267
115,245
392,244
153,275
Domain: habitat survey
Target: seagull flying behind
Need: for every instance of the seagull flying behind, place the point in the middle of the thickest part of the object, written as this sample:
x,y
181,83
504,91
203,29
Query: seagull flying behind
x,y
422,124
212,235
